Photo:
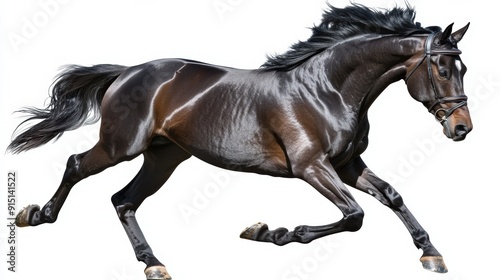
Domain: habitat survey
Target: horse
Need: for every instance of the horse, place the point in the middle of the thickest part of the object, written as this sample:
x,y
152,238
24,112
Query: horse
x,y
302,114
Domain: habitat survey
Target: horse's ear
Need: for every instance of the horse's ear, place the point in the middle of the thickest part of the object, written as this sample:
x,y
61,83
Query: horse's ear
x,y
446,34
459,34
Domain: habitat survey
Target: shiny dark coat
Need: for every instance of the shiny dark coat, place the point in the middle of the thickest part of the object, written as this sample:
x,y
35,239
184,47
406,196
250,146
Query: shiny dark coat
x,y
302,115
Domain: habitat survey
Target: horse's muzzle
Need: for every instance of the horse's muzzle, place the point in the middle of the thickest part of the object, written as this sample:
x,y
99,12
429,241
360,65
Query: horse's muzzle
x,y
456,133
460,132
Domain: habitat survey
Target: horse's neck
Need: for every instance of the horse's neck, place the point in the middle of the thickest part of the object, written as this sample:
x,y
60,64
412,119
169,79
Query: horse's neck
x,y
360,69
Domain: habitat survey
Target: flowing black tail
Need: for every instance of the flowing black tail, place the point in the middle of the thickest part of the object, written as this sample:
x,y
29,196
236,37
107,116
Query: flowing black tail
x,y
76,98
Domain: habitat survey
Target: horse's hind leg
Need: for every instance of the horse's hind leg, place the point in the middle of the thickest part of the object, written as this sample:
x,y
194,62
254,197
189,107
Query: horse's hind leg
x,y
359,176
159,163
78,167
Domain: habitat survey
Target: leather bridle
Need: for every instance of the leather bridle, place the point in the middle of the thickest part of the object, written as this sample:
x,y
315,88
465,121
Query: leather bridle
x,y
460,100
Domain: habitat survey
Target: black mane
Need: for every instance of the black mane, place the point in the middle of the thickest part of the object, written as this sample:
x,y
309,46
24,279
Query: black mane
x,y
340,24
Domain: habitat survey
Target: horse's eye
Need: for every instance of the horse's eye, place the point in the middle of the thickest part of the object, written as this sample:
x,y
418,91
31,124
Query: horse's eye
x,y
443,73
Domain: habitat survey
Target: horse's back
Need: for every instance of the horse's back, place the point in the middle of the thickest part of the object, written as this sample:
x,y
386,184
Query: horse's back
x,y
218,115
215,113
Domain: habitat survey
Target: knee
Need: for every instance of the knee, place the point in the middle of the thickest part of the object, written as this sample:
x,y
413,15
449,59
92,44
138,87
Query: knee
x,y
394,198
354,221
389,196
397,201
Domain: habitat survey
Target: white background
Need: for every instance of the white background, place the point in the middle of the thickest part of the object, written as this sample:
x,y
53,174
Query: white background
x,y
450,187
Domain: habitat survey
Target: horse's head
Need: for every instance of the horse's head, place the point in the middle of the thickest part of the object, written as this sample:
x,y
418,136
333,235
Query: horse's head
x,y
435,78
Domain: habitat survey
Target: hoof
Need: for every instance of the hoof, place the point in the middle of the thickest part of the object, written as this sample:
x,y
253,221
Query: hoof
x,y
157,273
24,216
434,264
253,231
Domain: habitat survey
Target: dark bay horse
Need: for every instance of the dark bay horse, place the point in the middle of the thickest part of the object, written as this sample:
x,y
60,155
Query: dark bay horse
x,y
303,114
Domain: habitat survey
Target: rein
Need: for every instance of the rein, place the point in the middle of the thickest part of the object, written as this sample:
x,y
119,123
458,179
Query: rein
x,y
461,100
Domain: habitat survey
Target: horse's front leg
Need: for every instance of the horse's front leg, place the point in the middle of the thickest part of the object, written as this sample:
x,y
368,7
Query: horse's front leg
x,y
359,176
321,175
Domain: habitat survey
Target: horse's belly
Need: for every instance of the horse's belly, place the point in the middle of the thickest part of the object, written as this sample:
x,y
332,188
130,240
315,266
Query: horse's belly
x,y
237,148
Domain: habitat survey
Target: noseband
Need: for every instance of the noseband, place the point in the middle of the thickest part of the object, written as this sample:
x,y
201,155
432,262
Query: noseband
x,y
461,100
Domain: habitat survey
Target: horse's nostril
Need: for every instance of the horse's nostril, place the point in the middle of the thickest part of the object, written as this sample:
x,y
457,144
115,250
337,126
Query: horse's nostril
x,y
461,130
